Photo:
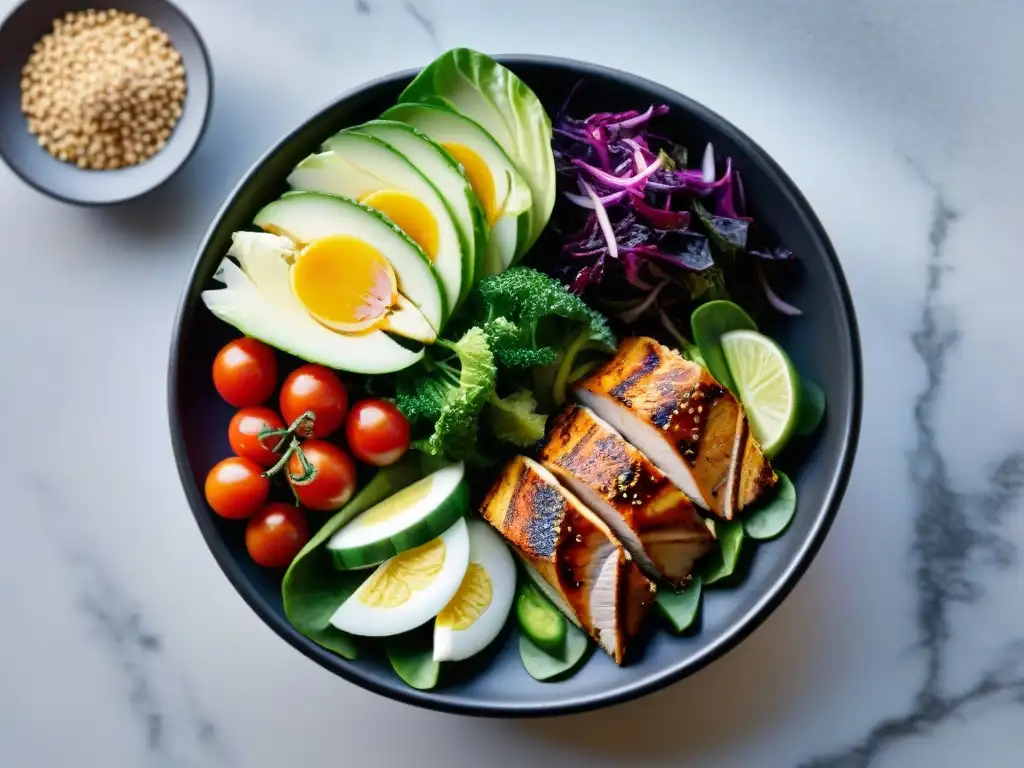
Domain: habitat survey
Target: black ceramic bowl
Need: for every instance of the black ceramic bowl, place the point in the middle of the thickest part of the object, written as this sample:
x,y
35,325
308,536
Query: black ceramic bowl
x,y
64,181
823,344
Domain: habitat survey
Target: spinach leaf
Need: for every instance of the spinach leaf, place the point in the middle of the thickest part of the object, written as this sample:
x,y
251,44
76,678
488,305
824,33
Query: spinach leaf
x,y
545,666
709,322
721,562
811,408
770,519
680,608
694,356
312,588
412,657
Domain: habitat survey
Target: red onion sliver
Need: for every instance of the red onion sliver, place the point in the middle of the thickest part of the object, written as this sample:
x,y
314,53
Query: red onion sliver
x,y
638,154
586,202
708,164
614,181
777,302
604,222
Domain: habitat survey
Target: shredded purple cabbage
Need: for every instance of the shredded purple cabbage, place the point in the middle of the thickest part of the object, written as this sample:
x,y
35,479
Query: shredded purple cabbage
x,y
643,216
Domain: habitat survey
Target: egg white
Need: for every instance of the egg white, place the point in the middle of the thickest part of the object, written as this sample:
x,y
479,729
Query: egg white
x,y
357,618
488,550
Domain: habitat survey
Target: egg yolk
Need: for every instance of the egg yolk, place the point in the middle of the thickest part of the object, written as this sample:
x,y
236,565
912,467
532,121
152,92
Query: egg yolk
x,y
470,602
409,214
480,178
345,283
394,583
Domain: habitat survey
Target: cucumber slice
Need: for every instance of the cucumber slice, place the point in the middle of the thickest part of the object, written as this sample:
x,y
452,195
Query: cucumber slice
x,y
548,591
415,515
539,620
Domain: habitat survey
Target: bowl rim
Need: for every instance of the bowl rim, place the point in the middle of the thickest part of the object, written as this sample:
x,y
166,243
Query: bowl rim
x,y
206,106
740,629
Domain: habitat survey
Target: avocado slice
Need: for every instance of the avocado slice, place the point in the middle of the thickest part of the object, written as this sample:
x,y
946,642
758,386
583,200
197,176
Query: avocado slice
x,y
446,174
357,166
257,299
476,86
507,201
304,217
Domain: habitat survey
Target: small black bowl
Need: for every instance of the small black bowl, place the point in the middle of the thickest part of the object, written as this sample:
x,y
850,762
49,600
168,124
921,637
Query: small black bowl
x,y
823,344
64,181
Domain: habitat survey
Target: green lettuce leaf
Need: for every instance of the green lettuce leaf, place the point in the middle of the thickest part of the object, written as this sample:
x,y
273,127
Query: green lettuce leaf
x,y
478,87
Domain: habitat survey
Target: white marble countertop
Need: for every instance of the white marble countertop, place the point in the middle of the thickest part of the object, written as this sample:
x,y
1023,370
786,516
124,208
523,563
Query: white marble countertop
x,y
122,644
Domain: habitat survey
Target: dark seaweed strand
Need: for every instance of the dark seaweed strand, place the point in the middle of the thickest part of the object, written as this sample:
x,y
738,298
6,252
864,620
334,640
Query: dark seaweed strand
x,y
953,531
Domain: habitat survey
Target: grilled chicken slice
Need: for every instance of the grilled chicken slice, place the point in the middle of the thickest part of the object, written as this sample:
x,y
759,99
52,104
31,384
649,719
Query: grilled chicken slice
x,y
573,550
688,424
652,518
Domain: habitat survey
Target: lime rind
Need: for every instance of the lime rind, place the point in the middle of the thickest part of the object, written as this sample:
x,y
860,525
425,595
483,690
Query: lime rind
x,y
767,384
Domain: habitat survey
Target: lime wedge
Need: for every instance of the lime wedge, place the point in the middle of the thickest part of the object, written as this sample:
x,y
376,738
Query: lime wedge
x,y
767,385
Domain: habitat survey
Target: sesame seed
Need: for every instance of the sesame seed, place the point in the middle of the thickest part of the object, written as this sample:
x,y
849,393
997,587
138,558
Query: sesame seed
x,y
94,97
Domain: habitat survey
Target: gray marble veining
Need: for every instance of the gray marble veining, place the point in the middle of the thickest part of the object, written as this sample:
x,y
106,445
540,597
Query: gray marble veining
x,y
958,536
424,21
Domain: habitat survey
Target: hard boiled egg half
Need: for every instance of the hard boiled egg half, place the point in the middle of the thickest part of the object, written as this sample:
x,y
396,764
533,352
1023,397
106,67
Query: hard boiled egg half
x,y
330,281
409,589
478,611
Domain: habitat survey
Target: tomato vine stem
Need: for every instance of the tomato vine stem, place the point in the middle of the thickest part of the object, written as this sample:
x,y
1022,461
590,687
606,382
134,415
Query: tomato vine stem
x,y
309,472
302,426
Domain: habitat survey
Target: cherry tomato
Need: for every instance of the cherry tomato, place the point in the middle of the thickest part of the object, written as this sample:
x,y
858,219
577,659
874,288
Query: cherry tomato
x,y
245,372
275,534
317,389
236,487
243,434
377,432
334,481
